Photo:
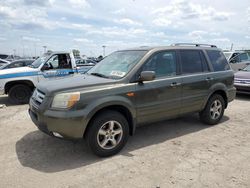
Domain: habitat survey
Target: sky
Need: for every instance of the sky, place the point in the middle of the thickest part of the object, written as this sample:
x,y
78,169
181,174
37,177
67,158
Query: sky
x,y
88,25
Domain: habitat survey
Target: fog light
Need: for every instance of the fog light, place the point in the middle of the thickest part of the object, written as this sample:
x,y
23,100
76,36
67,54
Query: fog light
x,y
57,135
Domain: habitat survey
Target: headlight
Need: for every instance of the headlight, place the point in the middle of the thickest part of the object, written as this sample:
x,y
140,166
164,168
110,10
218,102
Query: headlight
x,y
65,100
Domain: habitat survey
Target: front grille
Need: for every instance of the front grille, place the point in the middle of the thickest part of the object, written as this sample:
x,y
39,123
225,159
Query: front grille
x,y
241,81
38,96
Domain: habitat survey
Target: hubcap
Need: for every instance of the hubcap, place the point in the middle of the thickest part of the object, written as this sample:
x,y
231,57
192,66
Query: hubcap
x,y
215,109
109,135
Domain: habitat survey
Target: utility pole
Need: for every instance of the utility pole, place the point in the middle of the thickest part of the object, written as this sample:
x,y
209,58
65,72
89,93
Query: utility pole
x,y
104,50
14,53
232,45
45,49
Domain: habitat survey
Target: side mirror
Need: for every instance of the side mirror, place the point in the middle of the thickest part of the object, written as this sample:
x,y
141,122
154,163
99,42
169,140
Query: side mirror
x,y
45,67
147,76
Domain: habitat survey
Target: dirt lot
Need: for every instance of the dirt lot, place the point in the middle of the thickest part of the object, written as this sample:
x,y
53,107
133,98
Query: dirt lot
x,y
176,153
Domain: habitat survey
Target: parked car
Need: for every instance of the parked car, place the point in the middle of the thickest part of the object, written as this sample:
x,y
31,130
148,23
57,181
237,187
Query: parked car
x,y
85,62
242,80
3,56
18,63
19,83
240,61
231,54
134,87
3,63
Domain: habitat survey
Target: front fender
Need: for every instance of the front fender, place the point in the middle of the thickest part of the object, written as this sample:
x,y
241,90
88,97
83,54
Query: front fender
x,y
108,101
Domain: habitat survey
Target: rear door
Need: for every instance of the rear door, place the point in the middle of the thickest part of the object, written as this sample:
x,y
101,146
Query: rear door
x,y
196,80
159,99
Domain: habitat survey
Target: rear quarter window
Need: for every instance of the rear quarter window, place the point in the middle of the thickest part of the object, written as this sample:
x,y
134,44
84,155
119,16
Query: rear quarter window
x,y
218,60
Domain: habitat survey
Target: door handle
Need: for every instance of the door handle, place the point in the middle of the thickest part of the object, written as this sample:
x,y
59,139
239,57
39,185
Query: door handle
x,y
174,84
209,79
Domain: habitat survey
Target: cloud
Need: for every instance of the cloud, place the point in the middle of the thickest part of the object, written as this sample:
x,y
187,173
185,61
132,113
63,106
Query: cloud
x,y
206,36
82,40
119,11
111,32
219,40
42,3
128,21
79,4
187,10
2,38
197,34
23,17
31,39
162,22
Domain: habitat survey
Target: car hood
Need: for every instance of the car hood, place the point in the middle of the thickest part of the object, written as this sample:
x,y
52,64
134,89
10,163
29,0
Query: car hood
x,y
75,83
242,75
17,71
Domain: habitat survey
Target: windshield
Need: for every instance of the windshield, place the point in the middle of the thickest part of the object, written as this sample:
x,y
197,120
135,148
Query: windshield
x,y
117,64
39,61
228,54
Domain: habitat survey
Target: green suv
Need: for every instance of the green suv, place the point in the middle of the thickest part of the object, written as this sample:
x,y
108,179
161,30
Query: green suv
x,y
134,87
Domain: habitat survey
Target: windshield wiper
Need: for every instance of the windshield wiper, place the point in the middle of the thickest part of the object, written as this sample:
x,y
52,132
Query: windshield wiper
x,y
99,75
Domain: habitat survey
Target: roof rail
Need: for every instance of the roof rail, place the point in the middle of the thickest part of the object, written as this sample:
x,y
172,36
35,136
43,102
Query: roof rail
x,y
193,44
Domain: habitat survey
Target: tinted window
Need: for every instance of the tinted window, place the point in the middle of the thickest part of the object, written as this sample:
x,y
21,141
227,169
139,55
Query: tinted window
x,y
191,61
218,60
204,63
243,57
163,63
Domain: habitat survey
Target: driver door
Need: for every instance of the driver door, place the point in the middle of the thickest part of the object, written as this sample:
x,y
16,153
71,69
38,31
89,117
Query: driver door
x,y
160,98
58,66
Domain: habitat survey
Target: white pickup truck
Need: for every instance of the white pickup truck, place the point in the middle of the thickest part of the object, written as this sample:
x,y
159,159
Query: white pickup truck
x,y
19,83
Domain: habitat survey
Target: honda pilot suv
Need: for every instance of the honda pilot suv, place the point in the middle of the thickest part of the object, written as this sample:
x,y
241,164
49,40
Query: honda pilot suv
x,y
134,87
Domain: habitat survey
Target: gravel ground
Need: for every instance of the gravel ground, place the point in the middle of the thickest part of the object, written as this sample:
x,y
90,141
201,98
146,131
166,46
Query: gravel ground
x,y
175,153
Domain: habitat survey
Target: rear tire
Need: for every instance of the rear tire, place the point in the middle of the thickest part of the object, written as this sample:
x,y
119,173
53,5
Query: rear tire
x,y
108,133
20,94
214,110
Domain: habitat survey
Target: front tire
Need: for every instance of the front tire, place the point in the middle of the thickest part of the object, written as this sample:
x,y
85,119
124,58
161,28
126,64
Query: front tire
x,y
214,110
20,94
108,133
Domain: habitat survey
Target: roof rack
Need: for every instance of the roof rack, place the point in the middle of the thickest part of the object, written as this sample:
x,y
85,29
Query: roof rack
x,y
193,44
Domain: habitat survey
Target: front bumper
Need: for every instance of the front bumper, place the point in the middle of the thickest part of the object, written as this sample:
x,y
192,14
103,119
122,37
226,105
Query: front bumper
x,y
231,94
62,123
243,88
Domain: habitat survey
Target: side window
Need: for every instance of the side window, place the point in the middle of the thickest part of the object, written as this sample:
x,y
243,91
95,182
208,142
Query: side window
x,y
191,61
15,65
60,61
218,60
204,63
53,62
243,57
163,63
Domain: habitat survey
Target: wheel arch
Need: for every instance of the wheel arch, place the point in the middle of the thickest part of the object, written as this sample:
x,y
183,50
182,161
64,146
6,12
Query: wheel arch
x,y
121,107
220,91
10,84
